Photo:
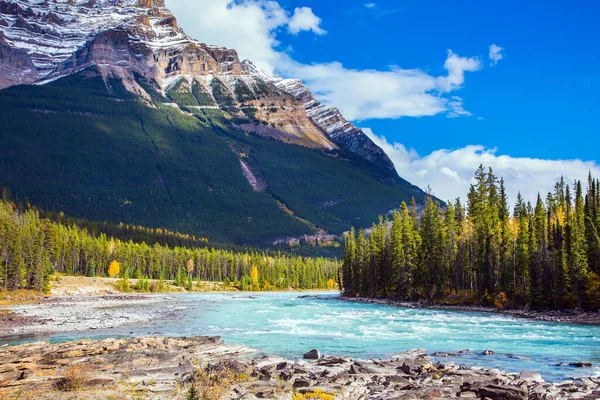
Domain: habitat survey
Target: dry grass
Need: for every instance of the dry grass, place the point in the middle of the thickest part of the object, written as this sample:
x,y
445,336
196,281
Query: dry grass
x,y
215,380
74,378
18,297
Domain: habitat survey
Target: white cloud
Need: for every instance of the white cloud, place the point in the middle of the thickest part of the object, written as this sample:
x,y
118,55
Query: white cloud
x,y
495,54
305,20
457,66
251,27
450,172
395,93
455,105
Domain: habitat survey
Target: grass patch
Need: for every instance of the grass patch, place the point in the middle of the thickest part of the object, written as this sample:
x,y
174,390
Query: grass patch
x,y
19,297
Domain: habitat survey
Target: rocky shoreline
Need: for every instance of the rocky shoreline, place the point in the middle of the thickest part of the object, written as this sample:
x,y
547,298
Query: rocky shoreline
x,y
56,314
568,316
166,368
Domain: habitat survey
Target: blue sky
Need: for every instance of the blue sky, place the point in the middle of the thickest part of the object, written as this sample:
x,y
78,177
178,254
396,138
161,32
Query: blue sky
x,y
533,116
546,87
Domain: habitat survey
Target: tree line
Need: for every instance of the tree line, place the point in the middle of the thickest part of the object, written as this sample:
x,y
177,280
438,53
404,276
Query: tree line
x,y
32,248
545,255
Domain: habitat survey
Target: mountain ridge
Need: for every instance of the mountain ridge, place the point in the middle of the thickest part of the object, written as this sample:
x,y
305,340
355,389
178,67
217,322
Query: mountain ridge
x,y
60,37
199,139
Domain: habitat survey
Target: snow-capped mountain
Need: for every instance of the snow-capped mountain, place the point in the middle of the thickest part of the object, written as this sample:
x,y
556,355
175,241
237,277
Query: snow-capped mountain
x,y
41,41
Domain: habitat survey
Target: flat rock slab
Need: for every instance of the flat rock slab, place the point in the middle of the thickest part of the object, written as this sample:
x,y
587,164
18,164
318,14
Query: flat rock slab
x,y
163,368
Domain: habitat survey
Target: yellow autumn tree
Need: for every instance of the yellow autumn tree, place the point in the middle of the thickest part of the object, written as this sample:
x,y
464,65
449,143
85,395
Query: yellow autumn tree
x,y
254,276
265,285
330,284
114,268
190,265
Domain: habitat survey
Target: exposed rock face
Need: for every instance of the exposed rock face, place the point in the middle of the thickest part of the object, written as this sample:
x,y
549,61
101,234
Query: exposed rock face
x,y
329,119
41,41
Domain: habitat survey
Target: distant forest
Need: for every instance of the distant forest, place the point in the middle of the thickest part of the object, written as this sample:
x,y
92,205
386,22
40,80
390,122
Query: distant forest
x,y
33,247
544,255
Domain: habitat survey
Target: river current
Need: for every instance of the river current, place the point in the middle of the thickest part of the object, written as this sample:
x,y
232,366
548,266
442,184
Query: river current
x,y
290,324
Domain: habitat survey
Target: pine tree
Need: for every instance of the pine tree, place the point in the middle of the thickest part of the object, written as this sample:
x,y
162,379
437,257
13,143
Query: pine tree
x,y
397,263
450,245
361,270
430,276
579,262
410,244
348,265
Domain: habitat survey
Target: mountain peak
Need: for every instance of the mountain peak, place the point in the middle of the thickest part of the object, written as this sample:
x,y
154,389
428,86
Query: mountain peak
x,y
41,41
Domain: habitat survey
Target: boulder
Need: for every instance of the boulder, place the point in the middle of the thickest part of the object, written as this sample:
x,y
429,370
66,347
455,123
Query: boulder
x,y
266,394
584,382
286,375
501,392
301,382
414,366
488,353
313,355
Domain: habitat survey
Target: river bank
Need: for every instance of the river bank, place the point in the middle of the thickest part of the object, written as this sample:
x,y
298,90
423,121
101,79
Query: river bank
x,y
166,368
56,314
566,316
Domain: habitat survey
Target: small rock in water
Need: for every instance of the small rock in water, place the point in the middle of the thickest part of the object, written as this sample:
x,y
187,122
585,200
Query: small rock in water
x,y
313,355
581,364
488,353
530,376
413,353
516,357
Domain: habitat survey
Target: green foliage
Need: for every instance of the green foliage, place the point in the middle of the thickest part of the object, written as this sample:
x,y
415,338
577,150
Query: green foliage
x,y
201,94
250,112
142,285
150,87
221,94
243,92
124,283
31,247
181,93
192,394
91,270
540,256
189,284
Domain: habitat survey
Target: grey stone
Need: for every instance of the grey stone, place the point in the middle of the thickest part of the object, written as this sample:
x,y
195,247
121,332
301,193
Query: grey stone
x,y
313,355
531,376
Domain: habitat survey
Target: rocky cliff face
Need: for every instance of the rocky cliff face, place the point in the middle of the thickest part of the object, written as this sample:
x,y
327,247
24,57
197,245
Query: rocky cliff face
x,y
43,40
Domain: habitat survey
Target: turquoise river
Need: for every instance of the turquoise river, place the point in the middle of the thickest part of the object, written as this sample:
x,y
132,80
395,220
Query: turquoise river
x,y
289,324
